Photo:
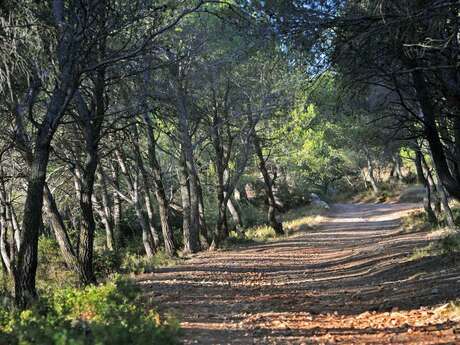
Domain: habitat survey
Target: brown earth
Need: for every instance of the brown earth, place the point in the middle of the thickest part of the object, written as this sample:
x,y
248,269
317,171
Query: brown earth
x,y
350,281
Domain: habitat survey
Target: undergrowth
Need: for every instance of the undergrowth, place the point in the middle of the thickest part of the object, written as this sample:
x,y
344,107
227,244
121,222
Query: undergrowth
x,y
96,315
294,221
448,246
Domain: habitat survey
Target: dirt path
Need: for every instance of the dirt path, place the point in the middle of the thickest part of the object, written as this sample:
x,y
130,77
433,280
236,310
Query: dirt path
x,y
348,282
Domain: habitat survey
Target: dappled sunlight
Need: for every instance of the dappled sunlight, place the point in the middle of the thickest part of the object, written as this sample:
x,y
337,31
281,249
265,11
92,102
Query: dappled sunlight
x,y
350,280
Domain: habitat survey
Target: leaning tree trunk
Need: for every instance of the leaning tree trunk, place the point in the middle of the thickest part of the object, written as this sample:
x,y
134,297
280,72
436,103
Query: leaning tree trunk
x,y
431,215
449,181
370,173
160,194
133,186
147,238
25,266
274,223
146,191
60,232
419,166
107,214
445,204
4,252
442,199
150,217
236,215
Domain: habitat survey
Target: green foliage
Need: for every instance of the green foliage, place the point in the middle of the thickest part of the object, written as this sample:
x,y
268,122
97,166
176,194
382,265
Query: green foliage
x,y
52,269
105,314
134,263
423,252
415,222
450,245
414,193
107,262
261,233
253,215
254,235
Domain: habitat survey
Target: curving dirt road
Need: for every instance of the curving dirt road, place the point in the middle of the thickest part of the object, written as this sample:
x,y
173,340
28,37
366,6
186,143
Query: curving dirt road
x,y
349,282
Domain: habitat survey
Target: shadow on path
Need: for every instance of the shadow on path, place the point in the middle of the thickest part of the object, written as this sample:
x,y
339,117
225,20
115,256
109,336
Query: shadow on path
x,y
316,285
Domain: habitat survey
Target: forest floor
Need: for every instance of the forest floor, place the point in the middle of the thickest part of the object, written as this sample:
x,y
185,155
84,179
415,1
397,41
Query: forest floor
x,y
348,281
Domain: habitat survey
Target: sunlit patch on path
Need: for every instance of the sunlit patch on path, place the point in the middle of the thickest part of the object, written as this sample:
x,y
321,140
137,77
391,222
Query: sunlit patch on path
x,y
350,281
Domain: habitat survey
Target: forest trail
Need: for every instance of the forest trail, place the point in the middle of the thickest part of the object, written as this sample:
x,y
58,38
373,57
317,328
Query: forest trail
x,y
350,281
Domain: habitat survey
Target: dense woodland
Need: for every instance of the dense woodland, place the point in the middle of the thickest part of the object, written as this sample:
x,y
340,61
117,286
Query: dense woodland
x,y
133,130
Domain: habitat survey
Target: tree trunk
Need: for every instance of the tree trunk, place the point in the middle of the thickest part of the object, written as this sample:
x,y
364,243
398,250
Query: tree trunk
x,y
398,171
160,194
189,163
432,135
370,173
431,215
60,232
151,218
274,223
88,224
26,263
236,215
116,203
204,239
106,214
4,252
145,191
419,167
190,241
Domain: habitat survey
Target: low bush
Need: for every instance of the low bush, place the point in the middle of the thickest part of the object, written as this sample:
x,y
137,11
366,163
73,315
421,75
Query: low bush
x,y
260,233
52,269
416,221
137,264
448,246
96,315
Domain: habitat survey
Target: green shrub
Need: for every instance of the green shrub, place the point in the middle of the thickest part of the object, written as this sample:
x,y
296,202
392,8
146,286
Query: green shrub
x,y
52,269
253,215
107,262
235,239
416,221
135,263
450,245
96,315
261,233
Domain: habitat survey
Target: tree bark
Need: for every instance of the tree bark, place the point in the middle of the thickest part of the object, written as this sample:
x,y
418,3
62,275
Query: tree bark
x,y
370,173
190,240
106,214
419,167
432,135
189,162
60,232
26,264
431,215
274,223
160,194
133,186
4,252
236,215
